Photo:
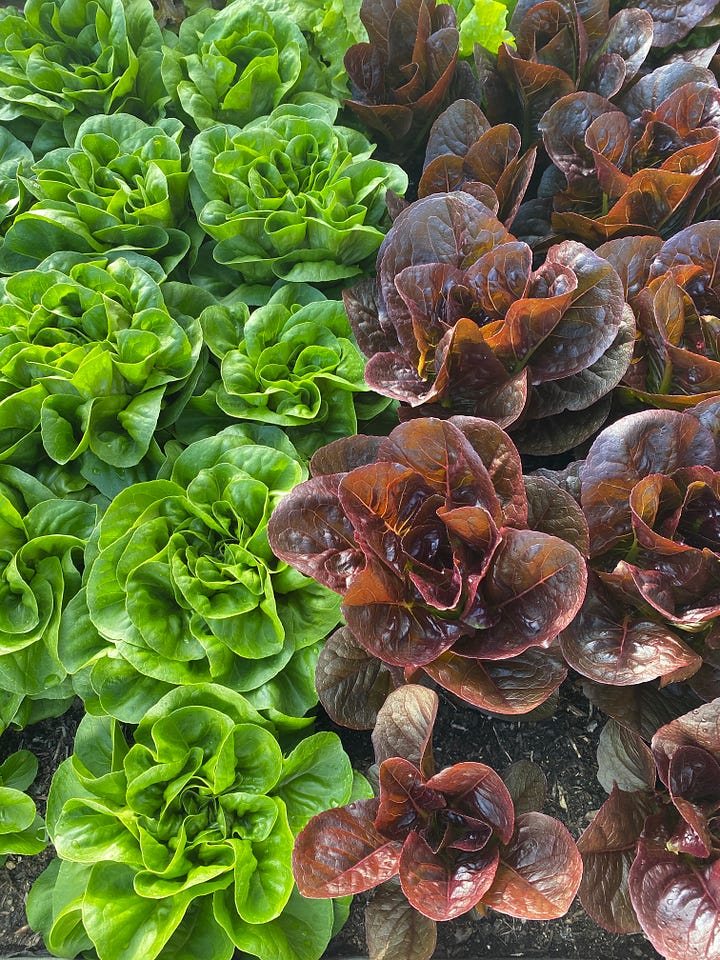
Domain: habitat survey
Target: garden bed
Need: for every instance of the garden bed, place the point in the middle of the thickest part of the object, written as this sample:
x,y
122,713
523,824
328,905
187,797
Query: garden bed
x,y
360,479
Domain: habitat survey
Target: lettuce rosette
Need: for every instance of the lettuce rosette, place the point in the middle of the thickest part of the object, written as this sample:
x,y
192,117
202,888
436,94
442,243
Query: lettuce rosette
x,y
92,357
184,587
293,362
292,195
41,563
64,60
236,64
188,831
122,185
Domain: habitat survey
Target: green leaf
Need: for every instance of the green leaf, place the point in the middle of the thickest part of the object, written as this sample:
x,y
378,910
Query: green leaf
x,y
315,776
301,932
136,926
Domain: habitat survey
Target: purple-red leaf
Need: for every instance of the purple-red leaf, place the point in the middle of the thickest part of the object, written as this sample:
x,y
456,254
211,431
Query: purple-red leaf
x,y
527,785
514,686
624,760
608,849
611,642
340,852
677,901
404,727
699,728
440,888
309,530
395,930
539,871
352,685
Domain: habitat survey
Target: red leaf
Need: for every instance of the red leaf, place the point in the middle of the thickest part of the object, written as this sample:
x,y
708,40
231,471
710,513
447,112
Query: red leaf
x,y
539,870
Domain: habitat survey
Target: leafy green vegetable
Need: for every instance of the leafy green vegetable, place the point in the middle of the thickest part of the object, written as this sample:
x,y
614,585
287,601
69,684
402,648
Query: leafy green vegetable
x,y
41,561
64,60
22,830
90,359
238,64
293,362
15,159
331,26
188,833
292,196
185,588
483,22
122,186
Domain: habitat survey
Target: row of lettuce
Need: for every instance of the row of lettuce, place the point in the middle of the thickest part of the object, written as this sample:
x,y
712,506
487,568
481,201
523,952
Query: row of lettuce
x,y
187,512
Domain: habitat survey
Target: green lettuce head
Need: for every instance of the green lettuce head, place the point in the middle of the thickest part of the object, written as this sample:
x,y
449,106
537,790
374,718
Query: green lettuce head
x,y
179,844
237,64
91,359
292,196
64,60
22,830
293,362
122,186
185,589
42,545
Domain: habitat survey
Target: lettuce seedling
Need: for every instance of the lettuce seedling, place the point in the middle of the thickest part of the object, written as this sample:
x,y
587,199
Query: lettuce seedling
x,y
453,839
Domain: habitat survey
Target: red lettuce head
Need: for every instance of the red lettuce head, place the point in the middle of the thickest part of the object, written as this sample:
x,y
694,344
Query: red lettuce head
x,y
454,838
657,847
674,291
459,322
562,47
400,79
425,535
650,490
648,166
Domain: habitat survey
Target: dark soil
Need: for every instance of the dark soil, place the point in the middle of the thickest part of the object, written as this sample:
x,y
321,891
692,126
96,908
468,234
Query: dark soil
x,y
564,746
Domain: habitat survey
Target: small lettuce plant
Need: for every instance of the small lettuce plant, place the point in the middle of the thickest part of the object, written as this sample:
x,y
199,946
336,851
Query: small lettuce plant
x,y
447,563
652,851
41,564
91,358
453,839
237,64
293,362
177,843
64,60
122,185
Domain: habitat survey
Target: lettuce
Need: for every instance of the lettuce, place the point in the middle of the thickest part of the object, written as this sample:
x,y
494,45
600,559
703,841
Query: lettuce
x,y
41,562
293,362
291,195
64,60
122,186
483,22
184,587
22,830
179,843
90,359
237,64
